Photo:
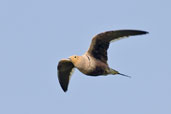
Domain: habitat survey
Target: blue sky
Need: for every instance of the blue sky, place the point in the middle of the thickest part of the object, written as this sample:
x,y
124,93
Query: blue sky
x,y
36,34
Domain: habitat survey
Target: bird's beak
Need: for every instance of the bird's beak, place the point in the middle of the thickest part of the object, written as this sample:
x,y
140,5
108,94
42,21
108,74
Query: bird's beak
x,y
69,58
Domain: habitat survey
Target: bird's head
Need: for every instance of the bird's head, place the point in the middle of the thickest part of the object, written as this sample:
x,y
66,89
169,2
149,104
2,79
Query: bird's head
x,y
74,59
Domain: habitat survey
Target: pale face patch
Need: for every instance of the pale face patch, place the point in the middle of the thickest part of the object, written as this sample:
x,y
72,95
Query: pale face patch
x,y
74,59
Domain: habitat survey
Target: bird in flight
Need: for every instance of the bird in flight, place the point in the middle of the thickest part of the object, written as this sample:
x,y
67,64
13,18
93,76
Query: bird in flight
x,y
94,61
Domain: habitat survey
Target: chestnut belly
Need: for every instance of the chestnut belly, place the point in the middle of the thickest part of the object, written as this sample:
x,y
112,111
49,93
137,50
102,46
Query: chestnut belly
x,y
97,71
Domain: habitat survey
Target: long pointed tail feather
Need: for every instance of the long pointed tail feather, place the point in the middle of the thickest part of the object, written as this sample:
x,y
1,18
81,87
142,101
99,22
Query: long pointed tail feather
x,y
124,75
112,71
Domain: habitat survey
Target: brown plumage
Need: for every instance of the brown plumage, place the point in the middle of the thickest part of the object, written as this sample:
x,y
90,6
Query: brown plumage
x,y
94,61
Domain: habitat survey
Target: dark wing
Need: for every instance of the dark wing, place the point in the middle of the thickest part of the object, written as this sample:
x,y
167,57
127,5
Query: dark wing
x,y
100,42
65,68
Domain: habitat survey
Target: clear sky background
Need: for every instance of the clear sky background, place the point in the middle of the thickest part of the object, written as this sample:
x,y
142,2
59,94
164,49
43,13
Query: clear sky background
x,y
36,34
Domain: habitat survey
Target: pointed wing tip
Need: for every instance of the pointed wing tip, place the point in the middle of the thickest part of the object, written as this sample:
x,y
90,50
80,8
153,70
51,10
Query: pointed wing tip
x,y
64,87
144,32
65,90
137,32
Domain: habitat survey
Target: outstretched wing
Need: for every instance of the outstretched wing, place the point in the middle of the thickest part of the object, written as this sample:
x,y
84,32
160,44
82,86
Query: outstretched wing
x,y
100,42
65,68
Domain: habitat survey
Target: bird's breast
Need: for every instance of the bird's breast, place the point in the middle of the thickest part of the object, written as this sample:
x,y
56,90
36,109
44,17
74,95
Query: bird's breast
x,y
91,66
95,67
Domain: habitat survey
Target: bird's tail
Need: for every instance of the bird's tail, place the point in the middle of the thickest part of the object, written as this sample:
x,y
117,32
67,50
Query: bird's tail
x,y
114,72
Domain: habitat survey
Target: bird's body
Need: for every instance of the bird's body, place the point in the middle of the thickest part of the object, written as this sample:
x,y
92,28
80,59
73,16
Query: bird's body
x,y
90,65
94,61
